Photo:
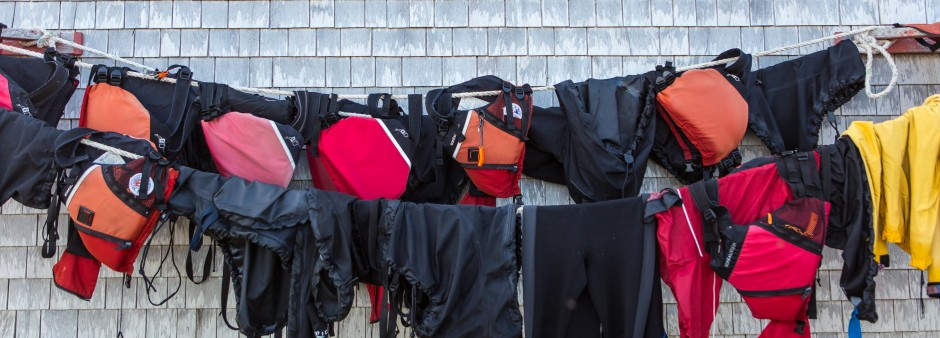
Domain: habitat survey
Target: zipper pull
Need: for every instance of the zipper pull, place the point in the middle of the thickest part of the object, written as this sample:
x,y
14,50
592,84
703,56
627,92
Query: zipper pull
x,y
807,292
480,129
124,245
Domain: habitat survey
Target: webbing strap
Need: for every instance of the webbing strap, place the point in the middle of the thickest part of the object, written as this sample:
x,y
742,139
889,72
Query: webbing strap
x,y
415,114
705,197
647,273
56,80
508,88
226,281
210,256
799,170
66,146
210,99
373,104
51,225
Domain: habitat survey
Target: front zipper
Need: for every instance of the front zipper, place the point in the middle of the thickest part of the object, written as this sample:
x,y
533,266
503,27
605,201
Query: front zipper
x,y
510,167
123,244
805,291
480,154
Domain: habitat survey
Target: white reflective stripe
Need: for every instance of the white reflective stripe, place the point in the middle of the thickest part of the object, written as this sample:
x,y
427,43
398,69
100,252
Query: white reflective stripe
x,y
689,223
283,144
463,133
68,201
395,142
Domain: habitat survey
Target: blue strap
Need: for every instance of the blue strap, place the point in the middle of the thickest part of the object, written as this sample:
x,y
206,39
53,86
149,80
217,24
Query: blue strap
x,y
206,219
855,326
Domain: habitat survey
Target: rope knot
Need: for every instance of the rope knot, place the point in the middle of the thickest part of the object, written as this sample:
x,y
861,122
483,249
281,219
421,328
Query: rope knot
x,y
870,45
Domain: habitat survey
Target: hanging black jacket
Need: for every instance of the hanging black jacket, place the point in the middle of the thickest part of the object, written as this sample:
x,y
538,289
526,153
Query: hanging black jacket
x,y
27,169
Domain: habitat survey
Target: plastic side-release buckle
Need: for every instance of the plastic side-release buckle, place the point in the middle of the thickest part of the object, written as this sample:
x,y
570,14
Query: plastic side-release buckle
x,y
101,74
115,76
443,126
710,216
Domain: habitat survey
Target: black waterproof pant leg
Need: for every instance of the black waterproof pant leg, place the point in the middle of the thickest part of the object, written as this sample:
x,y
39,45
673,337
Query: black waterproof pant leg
x,y
589,270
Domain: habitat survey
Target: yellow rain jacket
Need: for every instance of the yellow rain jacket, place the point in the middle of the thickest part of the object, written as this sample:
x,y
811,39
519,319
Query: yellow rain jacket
x,y
903,161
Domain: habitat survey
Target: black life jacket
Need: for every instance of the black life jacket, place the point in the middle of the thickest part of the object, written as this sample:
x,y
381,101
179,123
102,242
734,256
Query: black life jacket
x,y
38,87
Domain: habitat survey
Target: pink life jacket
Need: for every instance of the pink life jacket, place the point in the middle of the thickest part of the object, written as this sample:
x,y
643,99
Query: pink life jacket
x,y
247,146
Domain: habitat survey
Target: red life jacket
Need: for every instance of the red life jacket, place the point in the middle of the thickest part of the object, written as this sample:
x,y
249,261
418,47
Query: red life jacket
x,y
489,141
773,261
367,157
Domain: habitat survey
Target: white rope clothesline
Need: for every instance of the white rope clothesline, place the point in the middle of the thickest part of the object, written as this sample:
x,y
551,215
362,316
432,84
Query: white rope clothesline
x,y
865,41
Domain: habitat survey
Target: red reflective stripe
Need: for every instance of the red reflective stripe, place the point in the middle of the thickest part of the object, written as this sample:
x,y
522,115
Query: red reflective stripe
x,y
5,101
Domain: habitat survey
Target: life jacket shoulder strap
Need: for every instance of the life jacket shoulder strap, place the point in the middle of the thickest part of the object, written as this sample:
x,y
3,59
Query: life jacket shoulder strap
x,y
705,197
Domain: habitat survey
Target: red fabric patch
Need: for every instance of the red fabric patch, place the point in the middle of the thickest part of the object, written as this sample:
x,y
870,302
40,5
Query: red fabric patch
x,y
77,275
5,101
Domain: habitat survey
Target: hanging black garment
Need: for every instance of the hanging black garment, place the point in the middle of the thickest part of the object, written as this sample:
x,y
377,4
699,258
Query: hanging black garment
x,y
590,270
545,148
27,172
454,267
610,135
39,88
845,185
788,101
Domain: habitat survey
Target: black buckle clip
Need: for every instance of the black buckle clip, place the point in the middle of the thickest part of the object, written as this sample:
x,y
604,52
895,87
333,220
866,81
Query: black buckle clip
x,y
331,118
50,54
520,93
67,60
709,216
507,87
115,76
443,126
101,74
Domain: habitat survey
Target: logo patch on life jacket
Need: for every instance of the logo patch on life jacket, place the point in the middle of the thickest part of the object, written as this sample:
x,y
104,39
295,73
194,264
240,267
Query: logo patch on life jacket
x,y
516,111
85,216
810,228
293,141
133,185
402,132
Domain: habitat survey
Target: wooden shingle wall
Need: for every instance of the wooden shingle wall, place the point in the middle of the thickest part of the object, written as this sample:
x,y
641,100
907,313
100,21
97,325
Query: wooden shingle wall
x,y
408,46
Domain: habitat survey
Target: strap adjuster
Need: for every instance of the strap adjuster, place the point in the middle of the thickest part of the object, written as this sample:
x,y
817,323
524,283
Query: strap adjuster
x,y
710,217
443,126
507,87
184,74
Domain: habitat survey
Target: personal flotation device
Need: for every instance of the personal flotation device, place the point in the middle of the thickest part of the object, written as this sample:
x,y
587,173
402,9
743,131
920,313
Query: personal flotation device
x,y
142,108
245,145
702,117
114,204
367,157
489,141
39,88
773,261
